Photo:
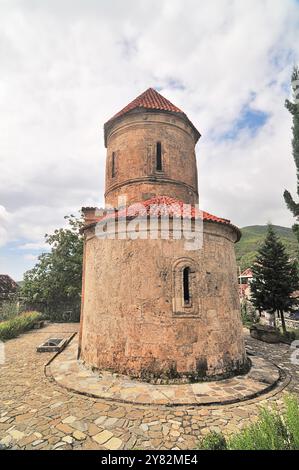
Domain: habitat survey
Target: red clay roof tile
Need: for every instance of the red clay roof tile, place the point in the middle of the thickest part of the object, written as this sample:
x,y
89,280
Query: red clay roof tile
x,y
159,206
150,99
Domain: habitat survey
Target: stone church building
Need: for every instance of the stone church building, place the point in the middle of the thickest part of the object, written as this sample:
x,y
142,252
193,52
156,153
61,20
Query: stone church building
x,y
151,308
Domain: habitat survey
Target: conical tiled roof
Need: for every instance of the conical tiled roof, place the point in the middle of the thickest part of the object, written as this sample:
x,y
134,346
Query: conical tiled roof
x,y
151,100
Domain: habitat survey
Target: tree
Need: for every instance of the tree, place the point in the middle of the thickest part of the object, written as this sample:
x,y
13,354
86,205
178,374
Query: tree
x,y
54,284
293,108
275,278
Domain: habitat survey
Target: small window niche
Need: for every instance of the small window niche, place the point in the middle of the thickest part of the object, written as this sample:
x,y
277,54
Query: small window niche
x,y
185,285
113,165
159,166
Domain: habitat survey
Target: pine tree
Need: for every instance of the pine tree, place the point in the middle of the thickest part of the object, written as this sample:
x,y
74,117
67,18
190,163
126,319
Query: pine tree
x,y
293,108
275,278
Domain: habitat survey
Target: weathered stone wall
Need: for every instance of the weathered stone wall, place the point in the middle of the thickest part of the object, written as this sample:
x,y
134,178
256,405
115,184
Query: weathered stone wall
x,y
133,322
133,140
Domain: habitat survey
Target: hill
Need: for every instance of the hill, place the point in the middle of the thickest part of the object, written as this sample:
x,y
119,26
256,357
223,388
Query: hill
x,y
254,235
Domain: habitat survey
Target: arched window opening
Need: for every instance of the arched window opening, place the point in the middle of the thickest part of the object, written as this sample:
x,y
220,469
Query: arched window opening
x,y
113,164
186,285
158,156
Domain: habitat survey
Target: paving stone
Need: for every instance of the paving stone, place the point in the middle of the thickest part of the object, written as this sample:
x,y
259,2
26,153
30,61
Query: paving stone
x,y
65,428
110,422
102,437
5,441
79,436
27,397
93,429
70,419
36,443
59,444
144,427
100,420
68,439
113,444
80,425
16,435
4,419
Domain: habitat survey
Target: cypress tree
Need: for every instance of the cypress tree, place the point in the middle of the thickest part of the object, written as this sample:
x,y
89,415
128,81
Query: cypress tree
x,y
275,278
293,108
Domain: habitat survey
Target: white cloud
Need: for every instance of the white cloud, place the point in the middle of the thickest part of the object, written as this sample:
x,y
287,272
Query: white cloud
x,y
4,221
67,66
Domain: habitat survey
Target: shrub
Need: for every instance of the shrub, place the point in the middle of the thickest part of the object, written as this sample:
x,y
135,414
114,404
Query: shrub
x,y
269,433
9,309
291,418
272,431
247,314
13,327
213,441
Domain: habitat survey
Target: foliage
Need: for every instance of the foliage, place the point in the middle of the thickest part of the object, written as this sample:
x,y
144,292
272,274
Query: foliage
x,y
247,314
15,326
252,238
269,433
9,309
53,286
293,108
272,431
292,334
275,278
213,441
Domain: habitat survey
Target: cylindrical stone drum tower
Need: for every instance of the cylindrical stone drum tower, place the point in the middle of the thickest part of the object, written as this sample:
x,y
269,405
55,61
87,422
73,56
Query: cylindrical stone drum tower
x,y
152,307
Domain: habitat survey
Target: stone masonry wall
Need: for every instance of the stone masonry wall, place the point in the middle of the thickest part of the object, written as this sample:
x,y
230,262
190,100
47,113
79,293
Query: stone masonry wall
x,y
133,140
131,320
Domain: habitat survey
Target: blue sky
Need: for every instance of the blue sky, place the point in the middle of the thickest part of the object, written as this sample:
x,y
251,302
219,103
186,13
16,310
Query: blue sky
x,y
69,65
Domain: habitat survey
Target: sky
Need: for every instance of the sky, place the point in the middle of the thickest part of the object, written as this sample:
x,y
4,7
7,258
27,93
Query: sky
x,y
67,66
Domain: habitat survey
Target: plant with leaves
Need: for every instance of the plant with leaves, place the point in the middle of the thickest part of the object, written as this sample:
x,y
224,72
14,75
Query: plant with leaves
x,y
293,108
53,286
274,430
275,278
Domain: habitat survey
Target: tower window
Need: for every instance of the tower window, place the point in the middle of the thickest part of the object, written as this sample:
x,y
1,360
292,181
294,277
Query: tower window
x,y
186,285
113,167
185,300
158,156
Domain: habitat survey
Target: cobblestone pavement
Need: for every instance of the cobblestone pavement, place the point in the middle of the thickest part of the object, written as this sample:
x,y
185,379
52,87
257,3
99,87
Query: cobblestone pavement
x,y
38,414
71,374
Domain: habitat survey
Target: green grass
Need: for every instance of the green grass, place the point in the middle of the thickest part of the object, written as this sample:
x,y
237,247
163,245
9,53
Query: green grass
x,y
17,325
274,430
254,235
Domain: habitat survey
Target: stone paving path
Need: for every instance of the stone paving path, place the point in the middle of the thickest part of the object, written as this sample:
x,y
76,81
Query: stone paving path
x,y
36,413
71,374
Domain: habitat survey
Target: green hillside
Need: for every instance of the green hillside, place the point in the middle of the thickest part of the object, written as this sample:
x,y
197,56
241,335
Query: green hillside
x,y
254,235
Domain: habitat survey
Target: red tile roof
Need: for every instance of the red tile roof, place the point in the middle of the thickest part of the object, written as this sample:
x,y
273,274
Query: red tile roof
x,y
247,273
152,100
149,99
160,206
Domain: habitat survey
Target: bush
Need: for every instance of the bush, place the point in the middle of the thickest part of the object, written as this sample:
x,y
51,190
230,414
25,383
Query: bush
x,y
213,441
272,431
269,433
13,327
63,313
247,314
9,309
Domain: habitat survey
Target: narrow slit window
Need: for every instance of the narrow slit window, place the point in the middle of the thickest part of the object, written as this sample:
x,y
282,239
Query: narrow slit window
x,y
113,164
159,157
186,286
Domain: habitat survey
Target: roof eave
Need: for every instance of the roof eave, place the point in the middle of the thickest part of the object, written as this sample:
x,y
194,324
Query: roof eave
x,y
109,124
